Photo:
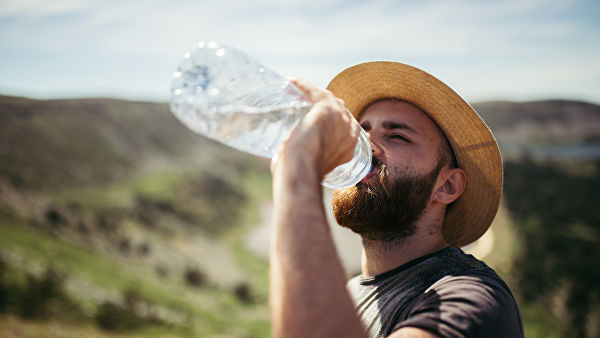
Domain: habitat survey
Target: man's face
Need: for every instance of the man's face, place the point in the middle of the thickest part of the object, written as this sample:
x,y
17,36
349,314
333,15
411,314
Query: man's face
x,y
388,202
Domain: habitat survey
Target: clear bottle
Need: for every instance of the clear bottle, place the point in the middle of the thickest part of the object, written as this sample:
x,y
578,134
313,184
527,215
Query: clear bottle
x,y
224,94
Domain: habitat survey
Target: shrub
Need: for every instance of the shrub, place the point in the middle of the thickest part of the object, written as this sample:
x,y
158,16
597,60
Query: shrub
x,y
4,289
42,296
243,292
35,297
115,317
125,245
143,249
195,277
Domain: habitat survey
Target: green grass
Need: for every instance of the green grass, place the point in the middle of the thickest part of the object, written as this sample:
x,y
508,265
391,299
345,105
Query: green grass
x,y
539,323
159,185
48,250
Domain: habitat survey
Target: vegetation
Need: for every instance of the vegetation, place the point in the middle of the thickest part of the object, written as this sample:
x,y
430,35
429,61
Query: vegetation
x,y
34,297
550,196
559,224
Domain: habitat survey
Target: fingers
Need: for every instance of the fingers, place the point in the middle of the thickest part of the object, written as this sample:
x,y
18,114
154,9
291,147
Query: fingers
x,y
313,93
329,124
323,99
316,94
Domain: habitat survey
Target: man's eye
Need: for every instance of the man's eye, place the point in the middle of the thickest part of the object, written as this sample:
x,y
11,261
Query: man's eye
x,y
398,137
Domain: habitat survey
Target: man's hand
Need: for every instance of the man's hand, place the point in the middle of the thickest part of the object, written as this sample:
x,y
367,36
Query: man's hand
x,y
325,137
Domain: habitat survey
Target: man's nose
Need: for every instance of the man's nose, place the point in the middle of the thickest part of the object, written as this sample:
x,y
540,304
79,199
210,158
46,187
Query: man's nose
x,y
374,147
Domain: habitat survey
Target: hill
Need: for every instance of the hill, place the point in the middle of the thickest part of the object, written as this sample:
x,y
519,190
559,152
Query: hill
x,y
551,121
50,144
141,220
551,129
60,143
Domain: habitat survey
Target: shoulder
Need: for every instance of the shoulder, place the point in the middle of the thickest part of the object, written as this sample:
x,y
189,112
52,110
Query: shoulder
x,y
482,287
464,276
476,303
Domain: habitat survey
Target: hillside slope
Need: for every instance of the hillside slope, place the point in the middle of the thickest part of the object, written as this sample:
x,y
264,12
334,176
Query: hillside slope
x,y
50,144
142,218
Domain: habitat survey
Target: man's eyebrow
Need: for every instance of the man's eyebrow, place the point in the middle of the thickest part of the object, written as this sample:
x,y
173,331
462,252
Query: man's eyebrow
x,y
398,125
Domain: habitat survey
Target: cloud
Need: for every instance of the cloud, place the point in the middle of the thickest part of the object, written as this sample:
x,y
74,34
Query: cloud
x,y
32,9
463,41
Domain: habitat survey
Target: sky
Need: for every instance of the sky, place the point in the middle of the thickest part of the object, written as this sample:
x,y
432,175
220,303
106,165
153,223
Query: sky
x,y
517,50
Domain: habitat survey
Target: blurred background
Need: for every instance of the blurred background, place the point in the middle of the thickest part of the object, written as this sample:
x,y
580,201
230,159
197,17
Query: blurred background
x,y
115,220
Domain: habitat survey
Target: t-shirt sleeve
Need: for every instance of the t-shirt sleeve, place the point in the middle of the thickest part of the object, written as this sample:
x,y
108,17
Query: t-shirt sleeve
x,y
476,305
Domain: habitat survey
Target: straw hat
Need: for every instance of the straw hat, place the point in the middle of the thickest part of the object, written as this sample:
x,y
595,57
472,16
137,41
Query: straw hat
x,y
474,145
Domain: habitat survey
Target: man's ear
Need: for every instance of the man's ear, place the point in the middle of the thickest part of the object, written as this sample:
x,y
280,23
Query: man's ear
x,y
450,185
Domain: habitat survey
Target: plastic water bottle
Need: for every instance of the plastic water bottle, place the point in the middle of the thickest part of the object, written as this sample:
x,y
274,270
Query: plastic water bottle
x,y
224,94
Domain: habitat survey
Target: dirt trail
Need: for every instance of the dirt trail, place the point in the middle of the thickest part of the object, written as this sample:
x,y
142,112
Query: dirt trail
x,y
348,244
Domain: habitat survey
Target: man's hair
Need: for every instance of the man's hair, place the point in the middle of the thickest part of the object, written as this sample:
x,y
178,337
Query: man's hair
x,y
445,152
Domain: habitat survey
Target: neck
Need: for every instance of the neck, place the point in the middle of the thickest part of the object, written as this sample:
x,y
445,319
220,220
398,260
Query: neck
x,y
378,257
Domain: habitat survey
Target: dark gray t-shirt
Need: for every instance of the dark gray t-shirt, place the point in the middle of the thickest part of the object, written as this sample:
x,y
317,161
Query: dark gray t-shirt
x,y
447,292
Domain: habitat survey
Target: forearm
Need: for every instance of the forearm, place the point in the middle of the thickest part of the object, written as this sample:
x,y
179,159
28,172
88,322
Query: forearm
x,y
308,294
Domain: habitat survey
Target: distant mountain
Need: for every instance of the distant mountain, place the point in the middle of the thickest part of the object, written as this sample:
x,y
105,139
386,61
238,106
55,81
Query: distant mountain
x,y
542,122
552,129
45,144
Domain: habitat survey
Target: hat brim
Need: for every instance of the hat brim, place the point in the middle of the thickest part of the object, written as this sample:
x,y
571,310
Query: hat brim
x,y
474,146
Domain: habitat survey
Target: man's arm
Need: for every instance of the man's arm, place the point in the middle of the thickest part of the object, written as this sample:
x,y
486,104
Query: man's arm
x,y
412,332
307,290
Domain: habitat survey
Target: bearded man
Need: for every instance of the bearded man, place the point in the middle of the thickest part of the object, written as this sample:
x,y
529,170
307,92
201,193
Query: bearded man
x,y
435,185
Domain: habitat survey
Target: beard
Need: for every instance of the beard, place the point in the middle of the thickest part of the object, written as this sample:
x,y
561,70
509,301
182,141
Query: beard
x,y
388,210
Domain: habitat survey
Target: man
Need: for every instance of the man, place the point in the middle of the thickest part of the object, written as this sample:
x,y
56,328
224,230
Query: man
x,y
435,185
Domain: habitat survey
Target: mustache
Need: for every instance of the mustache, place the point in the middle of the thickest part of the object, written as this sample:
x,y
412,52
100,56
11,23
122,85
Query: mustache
x,y
381,170
376,162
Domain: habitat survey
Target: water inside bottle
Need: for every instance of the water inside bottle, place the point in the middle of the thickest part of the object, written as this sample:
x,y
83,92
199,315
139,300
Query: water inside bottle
x,y
258,131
